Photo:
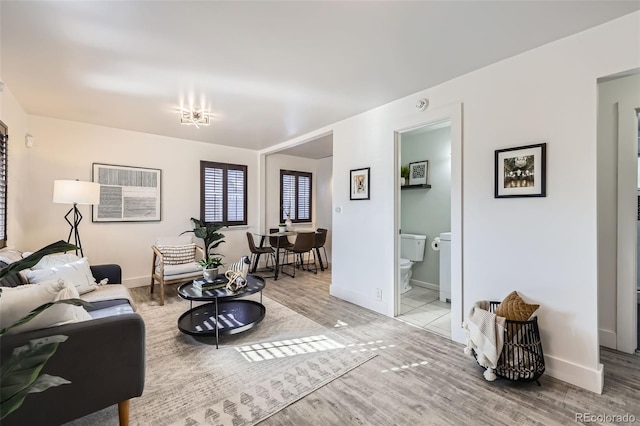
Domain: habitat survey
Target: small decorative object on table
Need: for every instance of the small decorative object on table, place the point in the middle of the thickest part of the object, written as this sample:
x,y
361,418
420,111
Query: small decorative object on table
x,y
237,274
210,267
282,227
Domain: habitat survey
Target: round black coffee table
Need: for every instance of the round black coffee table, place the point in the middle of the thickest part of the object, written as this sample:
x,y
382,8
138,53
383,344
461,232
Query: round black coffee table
x,y
225,314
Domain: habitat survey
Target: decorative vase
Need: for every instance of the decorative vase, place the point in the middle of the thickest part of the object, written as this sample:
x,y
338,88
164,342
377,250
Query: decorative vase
x,y
210,274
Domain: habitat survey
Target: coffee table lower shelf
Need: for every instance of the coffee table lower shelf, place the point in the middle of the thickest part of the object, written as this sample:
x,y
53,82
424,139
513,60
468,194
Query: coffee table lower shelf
x,y
234,316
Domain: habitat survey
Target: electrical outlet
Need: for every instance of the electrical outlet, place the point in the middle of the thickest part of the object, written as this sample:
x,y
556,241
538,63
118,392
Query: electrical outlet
x,y
378,294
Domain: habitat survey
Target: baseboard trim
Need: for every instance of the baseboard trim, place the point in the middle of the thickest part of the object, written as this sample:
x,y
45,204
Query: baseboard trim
x,y
136,282
608,338
361,300
424,284
578,375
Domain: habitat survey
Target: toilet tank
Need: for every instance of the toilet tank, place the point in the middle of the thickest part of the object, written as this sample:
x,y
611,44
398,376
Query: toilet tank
x,y
412,246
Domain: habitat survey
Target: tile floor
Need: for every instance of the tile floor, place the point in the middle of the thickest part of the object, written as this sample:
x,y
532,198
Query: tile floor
x,y
422,307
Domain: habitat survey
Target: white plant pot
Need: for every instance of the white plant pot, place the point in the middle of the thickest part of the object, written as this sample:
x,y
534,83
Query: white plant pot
x,y
282,228
210,274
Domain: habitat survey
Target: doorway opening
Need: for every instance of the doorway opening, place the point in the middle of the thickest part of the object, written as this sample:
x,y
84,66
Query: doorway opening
x,y
425,228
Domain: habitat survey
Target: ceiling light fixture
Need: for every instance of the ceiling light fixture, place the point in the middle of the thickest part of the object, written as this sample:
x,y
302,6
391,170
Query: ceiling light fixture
x,y
196,117
422,104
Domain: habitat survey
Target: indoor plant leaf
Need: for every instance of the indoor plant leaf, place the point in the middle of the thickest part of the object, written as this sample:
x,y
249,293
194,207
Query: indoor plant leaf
x,y
19,374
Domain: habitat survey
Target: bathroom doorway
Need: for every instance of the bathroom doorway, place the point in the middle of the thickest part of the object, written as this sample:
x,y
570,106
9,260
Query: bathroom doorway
x,y
432,120
425,214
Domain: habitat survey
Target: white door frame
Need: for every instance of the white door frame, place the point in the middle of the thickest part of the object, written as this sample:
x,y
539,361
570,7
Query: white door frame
x,y
452,114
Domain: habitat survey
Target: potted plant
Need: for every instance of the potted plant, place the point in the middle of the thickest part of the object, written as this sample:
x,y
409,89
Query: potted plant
x,y
210,267
282,227
404,174
208,232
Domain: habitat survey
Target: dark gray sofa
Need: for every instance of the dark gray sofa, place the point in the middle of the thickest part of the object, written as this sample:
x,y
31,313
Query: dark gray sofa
x,y
103,358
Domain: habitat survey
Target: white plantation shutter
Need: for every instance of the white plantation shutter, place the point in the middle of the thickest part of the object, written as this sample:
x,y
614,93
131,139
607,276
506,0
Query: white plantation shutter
x,y
295,195
223,193
4,138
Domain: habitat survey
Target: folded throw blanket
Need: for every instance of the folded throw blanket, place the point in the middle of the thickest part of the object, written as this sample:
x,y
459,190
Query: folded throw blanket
x,y
485,336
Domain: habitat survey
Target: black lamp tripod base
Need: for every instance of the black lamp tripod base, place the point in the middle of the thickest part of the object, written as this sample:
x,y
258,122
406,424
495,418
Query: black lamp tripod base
x,y
77,217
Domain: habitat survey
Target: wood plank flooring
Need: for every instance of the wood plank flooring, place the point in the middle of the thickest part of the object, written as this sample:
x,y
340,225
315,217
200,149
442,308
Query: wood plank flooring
x,y
419,378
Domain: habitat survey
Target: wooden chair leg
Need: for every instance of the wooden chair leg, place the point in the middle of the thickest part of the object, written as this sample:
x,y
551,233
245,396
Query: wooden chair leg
x,y
123,412
161,291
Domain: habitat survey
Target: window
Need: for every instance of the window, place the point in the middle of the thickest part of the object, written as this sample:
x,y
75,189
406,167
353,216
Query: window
x,y
295,196
223,193
4,137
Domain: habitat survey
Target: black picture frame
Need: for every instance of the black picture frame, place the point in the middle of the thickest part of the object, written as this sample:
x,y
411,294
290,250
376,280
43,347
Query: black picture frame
x,y
127,194
360,186
521,171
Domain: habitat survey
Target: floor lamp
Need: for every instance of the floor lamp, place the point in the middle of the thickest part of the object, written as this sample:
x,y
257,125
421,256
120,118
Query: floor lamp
x,y
75,192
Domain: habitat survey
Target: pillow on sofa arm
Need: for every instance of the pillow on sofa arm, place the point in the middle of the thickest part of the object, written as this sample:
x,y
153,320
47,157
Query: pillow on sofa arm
x,y
77,273
17,302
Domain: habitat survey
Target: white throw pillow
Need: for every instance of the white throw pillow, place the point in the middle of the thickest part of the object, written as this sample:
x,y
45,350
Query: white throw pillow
x,y
17,302
77,273
58,259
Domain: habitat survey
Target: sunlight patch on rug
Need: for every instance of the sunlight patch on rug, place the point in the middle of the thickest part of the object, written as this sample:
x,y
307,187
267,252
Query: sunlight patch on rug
x,y
287,348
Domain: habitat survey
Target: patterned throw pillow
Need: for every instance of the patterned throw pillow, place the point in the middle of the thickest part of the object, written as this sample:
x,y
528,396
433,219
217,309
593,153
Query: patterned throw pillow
x,y
177,255
515,309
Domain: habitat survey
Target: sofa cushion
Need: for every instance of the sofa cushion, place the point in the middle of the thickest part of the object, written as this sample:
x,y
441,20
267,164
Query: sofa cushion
x,y
78,273
56,259
17,302
8,256
108,292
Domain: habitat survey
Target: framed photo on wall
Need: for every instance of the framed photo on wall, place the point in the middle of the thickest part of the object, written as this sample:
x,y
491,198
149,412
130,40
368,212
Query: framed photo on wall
x,y
418,172
360,184
127,194
521,171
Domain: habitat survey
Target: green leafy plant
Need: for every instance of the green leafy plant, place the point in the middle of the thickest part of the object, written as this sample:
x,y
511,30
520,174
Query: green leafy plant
x,y
20,374
208,232
211,263
404,172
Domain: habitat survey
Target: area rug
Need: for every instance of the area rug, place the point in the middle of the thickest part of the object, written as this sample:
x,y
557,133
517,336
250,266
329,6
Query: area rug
x,y
249,378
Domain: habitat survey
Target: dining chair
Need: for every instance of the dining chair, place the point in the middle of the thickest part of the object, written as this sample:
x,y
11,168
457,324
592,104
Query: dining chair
x,y
305,242
321,239
256,252
281,241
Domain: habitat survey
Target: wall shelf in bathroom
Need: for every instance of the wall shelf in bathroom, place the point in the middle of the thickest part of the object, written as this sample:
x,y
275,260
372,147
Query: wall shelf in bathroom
x,y
423,186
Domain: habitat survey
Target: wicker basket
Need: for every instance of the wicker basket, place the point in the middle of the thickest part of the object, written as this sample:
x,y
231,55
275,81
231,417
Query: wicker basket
x,y
522,358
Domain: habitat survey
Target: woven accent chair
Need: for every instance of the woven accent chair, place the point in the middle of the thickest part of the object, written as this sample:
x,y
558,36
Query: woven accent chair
x,y
256,252
321,239
175,262
305,242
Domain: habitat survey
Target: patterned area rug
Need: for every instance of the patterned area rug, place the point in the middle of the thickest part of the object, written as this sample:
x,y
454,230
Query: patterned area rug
x,y
249,378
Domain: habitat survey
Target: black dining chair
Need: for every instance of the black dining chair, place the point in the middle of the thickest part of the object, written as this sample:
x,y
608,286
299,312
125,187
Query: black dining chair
x,y
304,244
256,252
321,239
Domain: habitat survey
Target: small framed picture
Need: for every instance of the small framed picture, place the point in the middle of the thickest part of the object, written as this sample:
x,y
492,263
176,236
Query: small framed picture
x,y
521,171
418,172
360,184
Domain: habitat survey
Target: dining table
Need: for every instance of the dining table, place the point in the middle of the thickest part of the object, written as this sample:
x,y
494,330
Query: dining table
x,y
263,236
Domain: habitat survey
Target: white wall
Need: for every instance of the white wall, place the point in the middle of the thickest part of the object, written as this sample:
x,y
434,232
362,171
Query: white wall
x,y
66,150
543,247
610,94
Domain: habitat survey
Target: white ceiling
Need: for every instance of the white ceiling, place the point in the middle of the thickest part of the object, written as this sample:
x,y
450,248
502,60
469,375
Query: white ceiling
x,y
269,71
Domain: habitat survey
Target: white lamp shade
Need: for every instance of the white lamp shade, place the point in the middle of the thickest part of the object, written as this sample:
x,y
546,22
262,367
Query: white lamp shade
x,y
76,191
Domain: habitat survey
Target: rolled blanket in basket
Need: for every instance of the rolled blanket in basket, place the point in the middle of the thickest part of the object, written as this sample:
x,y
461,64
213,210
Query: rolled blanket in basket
x,y
485,336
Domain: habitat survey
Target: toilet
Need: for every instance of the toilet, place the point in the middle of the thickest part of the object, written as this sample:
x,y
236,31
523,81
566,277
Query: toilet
x,y
411,251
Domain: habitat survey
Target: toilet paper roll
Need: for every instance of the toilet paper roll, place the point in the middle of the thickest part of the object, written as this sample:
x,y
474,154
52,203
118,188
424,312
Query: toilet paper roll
x,y
435,244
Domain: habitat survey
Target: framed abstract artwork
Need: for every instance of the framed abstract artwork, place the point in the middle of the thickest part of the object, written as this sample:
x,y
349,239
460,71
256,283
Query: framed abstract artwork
x,y
521,171
418,172
127,194
360,184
